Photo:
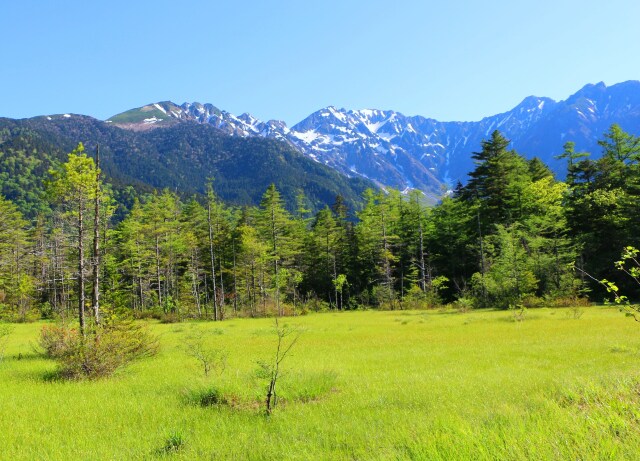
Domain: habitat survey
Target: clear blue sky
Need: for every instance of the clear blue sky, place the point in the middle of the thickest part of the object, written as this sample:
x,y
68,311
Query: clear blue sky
x,y
450,60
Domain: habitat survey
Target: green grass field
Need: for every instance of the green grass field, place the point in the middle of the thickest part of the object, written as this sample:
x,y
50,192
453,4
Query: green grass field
x,y
359,385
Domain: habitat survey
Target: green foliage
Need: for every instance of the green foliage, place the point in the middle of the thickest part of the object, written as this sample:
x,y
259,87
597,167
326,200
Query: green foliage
x,y
17,284
340,282
498,183
283,243
74,182
99,353
378,241
510,220
25,159
511,235
603,203
510,277
179,157
630,265
453,241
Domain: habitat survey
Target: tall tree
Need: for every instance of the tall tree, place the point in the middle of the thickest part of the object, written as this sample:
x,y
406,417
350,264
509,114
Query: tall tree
x,y
135,259
274,224
322,255
95,261
497,183
74,186
377,243
212,215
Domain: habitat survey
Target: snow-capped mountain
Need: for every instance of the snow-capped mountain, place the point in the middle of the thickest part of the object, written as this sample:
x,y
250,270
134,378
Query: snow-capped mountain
x,y
166,113
417,152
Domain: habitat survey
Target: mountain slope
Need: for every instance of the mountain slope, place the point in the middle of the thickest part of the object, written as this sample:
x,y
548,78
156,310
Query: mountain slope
x,y
183,156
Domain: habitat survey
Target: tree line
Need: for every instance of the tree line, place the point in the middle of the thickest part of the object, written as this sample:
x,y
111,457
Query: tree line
x,y
512,235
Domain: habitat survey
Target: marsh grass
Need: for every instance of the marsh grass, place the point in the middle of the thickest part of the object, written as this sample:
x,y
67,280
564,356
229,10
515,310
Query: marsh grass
x,y
308,387
358,385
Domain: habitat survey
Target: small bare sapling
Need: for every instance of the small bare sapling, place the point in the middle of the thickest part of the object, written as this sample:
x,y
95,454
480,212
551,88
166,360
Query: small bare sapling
x,y
211,358
271,370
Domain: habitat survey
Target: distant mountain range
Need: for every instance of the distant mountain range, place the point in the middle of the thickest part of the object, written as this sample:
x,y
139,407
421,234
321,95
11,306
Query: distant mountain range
x,y
403,152
333,151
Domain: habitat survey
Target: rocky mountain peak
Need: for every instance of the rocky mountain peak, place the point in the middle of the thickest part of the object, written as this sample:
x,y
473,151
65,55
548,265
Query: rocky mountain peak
x,y
413,151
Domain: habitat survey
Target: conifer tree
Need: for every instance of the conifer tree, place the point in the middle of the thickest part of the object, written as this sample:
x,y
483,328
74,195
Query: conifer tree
x,y
74,187
274,224
17,285
497,183
377,241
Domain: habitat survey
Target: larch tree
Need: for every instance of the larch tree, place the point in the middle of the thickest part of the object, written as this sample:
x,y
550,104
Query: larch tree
x,y
274,224
323,254
74,187
16,282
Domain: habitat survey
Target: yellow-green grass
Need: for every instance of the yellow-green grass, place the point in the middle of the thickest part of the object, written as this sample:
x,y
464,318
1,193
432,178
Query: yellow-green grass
x,y
384,385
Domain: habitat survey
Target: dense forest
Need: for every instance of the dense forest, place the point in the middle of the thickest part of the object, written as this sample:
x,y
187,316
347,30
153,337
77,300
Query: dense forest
x,y
512,236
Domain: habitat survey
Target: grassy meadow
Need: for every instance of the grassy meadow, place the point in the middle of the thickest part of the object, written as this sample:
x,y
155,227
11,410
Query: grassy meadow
x,y
362,385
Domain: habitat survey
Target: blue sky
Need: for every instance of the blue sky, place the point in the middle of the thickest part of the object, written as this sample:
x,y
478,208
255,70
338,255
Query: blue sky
x,y
450,60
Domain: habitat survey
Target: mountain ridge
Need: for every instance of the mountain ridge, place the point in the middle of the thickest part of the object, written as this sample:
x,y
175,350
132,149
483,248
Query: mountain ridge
x,y
406,152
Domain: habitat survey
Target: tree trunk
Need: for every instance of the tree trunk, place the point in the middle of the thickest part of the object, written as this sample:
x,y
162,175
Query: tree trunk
x,y
235,282
213,261
423,274
221,304
482,261
158,269
275,257
387,263
81,288
95,293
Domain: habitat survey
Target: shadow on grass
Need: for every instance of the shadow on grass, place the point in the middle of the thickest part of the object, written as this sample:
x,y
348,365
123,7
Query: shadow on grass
x,y
509,318
214,397
25,356
55,376
298,387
